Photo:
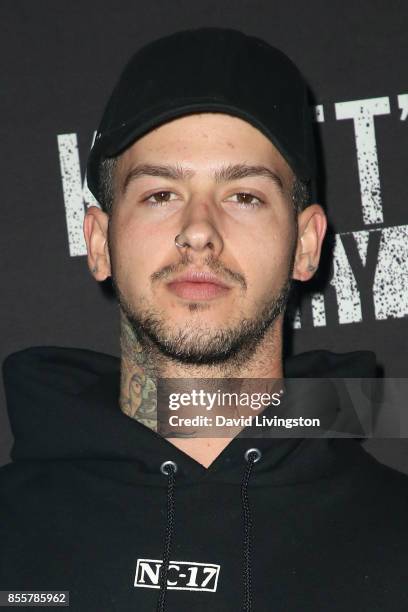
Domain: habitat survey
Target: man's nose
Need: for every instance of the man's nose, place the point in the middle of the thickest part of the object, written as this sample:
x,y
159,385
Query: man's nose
x,y
199,230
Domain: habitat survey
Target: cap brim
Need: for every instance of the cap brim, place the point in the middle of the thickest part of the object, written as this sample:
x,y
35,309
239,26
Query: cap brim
x,y
114,142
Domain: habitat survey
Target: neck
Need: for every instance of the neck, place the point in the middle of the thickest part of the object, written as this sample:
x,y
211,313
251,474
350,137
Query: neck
x,y
141,367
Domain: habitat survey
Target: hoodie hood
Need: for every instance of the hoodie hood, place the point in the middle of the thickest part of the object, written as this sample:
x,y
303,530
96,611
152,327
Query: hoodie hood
x,y
63,405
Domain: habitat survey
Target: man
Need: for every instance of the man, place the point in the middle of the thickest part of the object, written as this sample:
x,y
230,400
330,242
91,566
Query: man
x,y
202,164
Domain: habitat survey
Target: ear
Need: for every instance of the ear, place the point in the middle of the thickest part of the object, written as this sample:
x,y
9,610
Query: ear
x,y
95,228
312,225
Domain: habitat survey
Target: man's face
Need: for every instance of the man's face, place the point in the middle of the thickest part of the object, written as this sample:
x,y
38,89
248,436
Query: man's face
x,y
190,177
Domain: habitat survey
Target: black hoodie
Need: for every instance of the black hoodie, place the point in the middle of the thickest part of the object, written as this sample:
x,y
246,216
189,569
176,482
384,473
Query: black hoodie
x,y
315,525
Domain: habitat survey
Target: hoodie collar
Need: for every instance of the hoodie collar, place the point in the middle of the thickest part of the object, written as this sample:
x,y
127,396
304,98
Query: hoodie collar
x,y
63,405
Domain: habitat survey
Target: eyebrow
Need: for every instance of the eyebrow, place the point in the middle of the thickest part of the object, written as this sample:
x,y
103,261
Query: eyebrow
x,y
224,174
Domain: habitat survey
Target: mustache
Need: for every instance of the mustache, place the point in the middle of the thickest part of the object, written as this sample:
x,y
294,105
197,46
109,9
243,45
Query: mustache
x,y
213,265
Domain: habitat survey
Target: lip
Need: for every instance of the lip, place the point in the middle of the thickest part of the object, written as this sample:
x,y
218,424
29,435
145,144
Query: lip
x,y
198,276
198,285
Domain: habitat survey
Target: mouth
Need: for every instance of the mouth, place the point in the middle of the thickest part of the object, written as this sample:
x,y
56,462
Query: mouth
x,y
197,285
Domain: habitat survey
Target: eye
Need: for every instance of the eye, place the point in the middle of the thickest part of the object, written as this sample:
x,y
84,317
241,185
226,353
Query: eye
x,y
246,200
159,198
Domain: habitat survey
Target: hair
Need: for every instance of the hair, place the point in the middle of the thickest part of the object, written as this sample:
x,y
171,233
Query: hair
x,y
301,190
105,190
301,194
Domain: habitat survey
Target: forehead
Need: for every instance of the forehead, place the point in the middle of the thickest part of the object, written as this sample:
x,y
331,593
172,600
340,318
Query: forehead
x,y
206,138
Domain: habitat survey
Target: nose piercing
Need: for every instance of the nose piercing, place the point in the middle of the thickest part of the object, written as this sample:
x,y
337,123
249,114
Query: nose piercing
x,y
178,244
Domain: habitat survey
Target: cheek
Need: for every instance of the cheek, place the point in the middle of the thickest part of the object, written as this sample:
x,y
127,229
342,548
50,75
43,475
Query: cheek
x,y
138,251
269,257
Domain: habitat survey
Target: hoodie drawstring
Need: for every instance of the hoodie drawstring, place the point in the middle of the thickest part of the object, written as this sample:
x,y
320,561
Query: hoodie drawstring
x,y
252,455
169,468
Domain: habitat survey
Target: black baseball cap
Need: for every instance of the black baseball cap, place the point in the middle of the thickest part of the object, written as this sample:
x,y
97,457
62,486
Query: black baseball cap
x,y
209,70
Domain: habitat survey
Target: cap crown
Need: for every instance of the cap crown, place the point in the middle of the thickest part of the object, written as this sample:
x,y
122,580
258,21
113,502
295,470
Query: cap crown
x,y
213,70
